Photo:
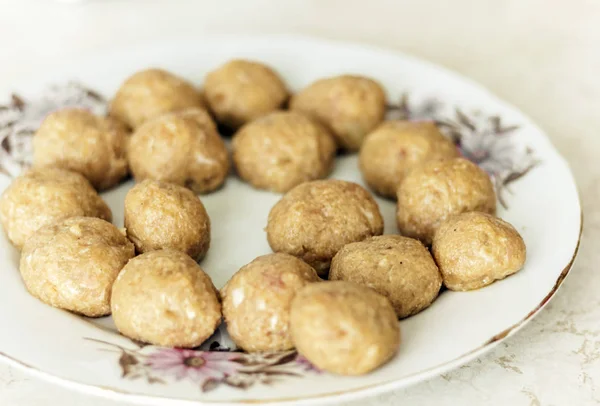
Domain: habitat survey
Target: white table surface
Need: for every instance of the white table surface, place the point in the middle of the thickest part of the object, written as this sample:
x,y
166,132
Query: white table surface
x,y
541,55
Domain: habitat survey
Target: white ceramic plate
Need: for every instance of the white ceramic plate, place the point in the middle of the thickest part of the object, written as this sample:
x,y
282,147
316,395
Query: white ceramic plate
x,y
542,203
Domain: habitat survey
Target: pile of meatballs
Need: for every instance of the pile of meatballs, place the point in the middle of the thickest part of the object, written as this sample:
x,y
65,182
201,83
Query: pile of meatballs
x,y
334,288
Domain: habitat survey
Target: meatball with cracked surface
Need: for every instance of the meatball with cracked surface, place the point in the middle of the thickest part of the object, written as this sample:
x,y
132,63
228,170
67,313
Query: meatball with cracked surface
x,y
257,299
77,140
476,249
150,93
350,106
165,298
314,220
43,196
436,190
399,268
344,328
395,147
242,90
72,264
161,215
182,148
281,150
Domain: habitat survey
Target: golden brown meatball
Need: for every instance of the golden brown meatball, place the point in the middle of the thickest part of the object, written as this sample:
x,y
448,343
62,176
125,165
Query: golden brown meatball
x,y
350,106
436,190
161,215
399,268
73,263
240,91
475,249
43,196
314,220
77,140
344,328
281,150
150,93
164,298
395,147
257,299
182,148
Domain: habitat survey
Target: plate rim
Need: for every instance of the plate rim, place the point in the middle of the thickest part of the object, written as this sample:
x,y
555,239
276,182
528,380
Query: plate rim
x,y
348,394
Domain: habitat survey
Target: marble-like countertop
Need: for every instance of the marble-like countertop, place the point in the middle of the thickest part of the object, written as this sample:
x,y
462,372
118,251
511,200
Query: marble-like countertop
x,y
541,55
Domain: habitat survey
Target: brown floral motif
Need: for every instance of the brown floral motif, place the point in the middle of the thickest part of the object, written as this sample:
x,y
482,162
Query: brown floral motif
x,y
20,118
485,140
207,369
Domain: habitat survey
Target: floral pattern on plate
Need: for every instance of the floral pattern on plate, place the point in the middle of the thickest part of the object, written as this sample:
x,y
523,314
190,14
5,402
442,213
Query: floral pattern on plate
x,y
207,369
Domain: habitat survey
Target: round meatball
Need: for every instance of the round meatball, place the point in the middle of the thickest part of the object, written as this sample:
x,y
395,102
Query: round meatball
x,y
72,264
437,190
161,215
475,249
183,148
241,91
350,106
77,140
43,196
396,147
400,268
150,93
314,220
344,328
164,298
281,150
257,299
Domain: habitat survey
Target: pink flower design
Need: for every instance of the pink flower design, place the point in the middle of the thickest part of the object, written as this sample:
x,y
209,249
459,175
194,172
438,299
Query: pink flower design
x,y
306,365
200,366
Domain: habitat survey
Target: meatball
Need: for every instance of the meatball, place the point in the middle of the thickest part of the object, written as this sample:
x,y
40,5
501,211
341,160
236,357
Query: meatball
x,y
73,263
164,298
436,190
350,106
281,150
396,147
43,196
475,249
399,268
183,148
77,140
150,93
314,220
344,328
241,91
257,299
161,215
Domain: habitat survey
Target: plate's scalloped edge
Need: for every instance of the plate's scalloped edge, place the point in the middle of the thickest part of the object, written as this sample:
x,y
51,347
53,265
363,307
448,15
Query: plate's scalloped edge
x,y
136,397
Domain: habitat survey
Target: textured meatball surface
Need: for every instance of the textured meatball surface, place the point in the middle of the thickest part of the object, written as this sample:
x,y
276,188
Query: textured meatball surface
x,y
344,328
257,299
43,196
281,150
182,148
475,249
350,106
395,147
77,140
150,93
165,298
436,190
241,90
73,263
314,220
161,215
399,268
